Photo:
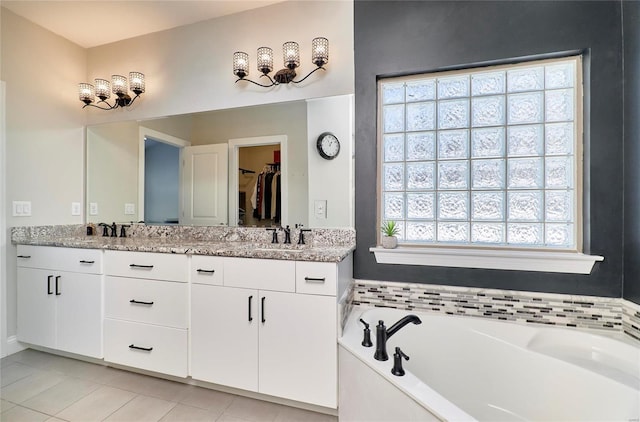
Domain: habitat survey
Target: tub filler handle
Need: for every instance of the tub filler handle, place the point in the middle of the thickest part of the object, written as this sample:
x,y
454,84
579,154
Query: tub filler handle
x,y
366,341
397,362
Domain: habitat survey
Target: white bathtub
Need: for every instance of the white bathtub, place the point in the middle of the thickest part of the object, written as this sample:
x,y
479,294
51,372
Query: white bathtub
x,y
464,368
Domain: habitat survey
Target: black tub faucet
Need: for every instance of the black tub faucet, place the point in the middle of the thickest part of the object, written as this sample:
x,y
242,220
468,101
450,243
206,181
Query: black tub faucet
x,y
382,334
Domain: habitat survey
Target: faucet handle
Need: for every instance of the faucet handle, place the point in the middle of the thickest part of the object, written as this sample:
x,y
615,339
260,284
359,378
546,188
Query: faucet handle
x,y
274,235
397,369
366,341
123,231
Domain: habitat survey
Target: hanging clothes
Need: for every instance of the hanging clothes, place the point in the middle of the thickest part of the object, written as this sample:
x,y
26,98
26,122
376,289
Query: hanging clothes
x,y
265,198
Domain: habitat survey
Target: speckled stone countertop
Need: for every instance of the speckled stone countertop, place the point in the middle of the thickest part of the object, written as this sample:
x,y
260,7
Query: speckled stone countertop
x,y
322,245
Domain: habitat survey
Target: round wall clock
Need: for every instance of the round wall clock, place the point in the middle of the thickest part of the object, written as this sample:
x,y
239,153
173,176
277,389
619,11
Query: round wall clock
x,y
328,146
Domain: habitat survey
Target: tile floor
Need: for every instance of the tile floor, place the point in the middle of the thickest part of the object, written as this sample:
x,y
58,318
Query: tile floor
x,y
38,386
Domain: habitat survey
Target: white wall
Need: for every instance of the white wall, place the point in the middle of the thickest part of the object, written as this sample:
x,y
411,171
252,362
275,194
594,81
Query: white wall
x,y
44,130
331,180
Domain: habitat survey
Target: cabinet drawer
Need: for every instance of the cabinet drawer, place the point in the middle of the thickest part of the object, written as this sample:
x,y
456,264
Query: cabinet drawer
x,y
74,260
317,278
158,266
263,274
207,270
149,301
150,347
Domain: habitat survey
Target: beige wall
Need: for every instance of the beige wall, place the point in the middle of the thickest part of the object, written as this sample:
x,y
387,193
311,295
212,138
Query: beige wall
x,y
44,131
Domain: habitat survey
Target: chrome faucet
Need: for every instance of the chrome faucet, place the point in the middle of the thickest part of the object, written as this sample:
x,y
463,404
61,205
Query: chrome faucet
x,y
383,334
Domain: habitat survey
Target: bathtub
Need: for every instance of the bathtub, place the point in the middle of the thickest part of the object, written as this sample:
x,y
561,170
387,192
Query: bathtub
x,y
464,368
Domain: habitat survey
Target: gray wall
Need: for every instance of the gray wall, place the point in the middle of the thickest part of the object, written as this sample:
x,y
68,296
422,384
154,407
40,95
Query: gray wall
x,y
396,38
631,288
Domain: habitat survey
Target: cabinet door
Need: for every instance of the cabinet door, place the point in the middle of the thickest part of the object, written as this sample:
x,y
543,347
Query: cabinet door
x,y
36,307
298,348
79,313
224,336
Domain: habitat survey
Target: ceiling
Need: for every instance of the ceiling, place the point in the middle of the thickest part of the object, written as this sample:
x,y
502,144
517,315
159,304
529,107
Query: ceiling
x,y
90,23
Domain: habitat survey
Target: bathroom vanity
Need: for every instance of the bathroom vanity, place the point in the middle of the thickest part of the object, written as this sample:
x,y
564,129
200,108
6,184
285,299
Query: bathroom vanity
x,y
244,314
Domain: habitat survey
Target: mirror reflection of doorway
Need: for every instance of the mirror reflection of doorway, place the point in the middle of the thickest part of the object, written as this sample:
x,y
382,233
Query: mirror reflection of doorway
x,y
259,186
161,182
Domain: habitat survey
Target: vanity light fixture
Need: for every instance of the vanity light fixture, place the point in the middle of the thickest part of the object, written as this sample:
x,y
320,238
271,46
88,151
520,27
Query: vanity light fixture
x,y
119,86
291,53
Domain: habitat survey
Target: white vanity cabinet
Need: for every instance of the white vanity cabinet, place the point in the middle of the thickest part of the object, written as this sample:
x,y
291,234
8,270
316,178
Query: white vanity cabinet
x,y
271,328
147,311
60,298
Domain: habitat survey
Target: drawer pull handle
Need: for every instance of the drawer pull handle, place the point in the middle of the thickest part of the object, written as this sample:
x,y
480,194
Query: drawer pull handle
x,y
24,256
82,261
138,302
146,349
263,318
250,316
49,292
148,267
205,271
314,280
58,292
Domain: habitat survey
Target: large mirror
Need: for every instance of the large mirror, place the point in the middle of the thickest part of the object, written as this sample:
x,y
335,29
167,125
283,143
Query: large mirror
x,y
247,166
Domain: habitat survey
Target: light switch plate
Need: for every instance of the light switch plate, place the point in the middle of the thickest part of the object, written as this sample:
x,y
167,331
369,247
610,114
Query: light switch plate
x,y
320,208
93,208
75,208
129,209
21,208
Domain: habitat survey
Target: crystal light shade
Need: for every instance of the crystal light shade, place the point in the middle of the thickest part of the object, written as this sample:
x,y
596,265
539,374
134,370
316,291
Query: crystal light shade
x,y
291,52
240,64
291,55
86,93
119,85
103,89
265,60
136,82
320,51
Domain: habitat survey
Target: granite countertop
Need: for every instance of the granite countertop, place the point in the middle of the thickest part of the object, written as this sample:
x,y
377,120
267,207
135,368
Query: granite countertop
x,y
241,249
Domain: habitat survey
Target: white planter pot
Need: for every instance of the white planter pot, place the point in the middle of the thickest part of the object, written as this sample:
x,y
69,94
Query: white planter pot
x,y
389,242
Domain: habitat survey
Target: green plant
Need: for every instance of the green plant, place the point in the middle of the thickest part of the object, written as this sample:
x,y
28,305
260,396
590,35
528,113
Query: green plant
x,y
390,228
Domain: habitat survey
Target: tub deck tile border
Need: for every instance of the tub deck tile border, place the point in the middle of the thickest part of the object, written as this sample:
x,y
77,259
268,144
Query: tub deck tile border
x,y
601,313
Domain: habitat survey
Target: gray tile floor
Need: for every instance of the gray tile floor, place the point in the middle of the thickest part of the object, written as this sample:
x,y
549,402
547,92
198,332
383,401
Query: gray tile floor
x,y
38,386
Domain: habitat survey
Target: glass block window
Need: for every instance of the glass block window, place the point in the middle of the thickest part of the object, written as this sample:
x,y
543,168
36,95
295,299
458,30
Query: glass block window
x,y
483,157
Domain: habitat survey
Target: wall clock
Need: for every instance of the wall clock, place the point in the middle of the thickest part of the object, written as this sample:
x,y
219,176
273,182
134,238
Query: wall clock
x,y
328,146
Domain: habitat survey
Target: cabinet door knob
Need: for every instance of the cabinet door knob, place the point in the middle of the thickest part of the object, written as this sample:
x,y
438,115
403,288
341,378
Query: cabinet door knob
x,y
146,349
139,302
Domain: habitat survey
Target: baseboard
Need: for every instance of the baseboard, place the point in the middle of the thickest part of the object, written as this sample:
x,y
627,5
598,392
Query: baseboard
x,y
14,346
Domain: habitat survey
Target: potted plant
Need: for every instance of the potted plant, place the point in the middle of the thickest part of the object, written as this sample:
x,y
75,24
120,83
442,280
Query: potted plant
x,y
389,231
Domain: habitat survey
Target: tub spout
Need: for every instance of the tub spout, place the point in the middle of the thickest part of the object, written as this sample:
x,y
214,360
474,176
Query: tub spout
x,y
383,334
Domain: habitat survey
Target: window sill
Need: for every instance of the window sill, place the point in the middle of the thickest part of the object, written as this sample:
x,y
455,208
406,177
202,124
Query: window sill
x,y
543,261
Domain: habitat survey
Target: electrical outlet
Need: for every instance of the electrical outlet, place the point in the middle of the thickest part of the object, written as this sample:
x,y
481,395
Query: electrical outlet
x,y
129,209
21,208
93,208
75,208
320,208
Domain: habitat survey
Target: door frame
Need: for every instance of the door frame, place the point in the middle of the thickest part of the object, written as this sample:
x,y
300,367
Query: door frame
x,y
234,146
143,133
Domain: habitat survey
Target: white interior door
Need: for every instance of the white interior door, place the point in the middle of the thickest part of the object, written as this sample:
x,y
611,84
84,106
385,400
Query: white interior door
x,y
204,185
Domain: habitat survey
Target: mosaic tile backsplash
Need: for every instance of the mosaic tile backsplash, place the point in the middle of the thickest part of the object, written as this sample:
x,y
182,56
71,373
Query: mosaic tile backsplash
x,y
524,307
